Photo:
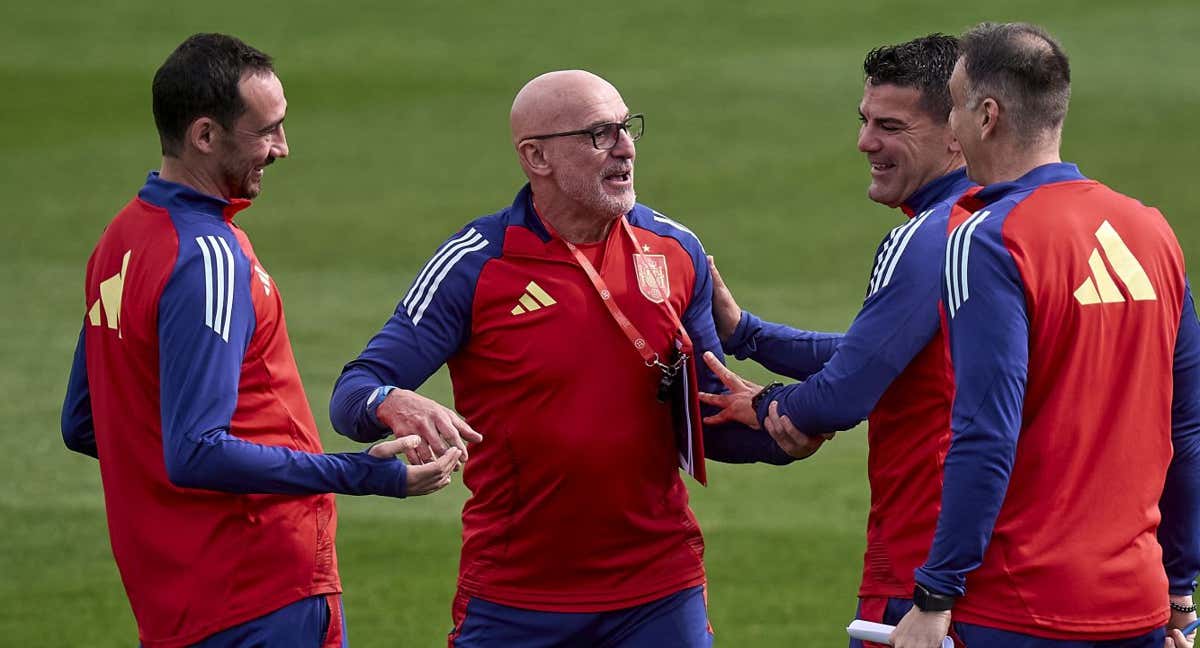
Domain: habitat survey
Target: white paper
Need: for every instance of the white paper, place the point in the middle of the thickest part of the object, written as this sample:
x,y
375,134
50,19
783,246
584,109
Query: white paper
x,y
879,633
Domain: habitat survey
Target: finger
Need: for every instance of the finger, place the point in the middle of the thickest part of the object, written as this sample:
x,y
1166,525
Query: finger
x,y
774,425
448,462
771,425
785,424
449,432
428,431
730,379
393,447
424,452
718,400
466,431
720,417
416,449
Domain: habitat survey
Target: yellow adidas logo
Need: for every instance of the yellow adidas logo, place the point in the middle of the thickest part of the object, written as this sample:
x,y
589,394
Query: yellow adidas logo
x,y
111,290
533,299
1100,288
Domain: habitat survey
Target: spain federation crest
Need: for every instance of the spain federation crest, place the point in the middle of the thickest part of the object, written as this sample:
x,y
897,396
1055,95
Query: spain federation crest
x,y
652,276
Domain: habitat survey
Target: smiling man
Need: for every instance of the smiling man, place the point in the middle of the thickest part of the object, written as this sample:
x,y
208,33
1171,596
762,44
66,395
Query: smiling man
x,y
569,321
889,367
185,388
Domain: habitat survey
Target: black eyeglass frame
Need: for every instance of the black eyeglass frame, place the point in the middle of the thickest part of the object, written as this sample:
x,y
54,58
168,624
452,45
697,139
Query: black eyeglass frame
x,y
624,125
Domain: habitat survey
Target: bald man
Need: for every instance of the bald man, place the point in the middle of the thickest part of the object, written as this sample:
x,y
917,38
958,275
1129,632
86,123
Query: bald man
x,y
570,321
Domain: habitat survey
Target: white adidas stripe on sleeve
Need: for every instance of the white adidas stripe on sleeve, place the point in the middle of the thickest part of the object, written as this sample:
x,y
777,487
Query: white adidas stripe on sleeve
x,y
958,259
433,265
479,244
218,283
893,249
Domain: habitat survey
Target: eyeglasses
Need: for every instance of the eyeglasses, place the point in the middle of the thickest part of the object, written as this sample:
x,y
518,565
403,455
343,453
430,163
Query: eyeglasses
x,y
605,136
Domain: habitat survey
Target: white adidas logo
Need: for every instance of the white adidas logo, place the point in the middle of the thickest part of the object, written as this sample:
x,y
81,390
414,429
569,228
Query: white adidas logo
x,y
1100,288
534,298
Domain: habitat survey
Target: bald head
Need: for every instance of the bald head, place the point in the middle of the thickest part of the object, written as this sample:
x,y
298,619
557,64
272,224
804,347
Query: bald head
x,y
562,100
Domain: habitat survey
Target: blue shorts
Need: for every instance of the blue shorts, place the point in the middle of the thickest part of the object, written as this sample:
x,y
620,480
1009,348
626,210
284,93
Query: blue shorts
x,y
313,622
676,621
977,636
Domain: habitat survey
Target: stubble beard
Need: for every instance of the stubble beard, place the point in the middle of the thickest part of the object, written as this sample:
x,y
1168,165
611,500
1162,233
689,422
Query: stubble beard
x,y
591,194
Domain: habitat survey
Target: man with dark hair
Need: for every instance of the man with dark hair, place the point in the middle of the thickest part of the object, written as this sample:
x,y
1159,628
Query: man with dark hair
x,y
1071,509
185,388
891,362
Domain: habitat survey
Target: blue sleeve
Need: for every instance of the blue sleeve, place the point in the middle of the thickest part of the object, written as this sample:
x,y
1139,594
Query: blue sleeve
x,y
897,321
429,325
790,352
989,346
727,443
77,430
205,321
1179,532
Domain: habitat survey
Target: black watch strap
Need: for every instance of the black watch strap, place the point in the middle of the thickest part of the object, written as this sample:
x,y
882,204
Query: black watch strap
x,y
757,399
928,601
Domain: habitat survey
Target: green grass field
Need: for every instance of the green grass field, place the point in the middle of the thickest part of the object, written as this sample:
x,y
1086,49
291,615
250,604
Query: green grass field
x,y
398,131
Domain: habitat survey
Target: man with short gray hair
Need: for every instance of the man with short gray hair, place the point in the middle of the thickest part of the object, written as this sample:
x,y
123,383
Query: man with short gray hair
x,y
1076,356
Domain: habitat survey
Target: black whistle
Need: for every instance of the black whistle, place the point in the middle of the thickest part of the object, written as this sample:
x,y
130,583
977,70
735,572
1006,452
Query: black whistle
x,y
665,384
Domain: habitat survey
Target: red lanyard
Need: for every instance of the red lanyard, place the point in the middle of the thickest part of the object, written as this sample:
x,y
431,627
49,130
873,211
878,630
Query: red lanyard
x,y
627,327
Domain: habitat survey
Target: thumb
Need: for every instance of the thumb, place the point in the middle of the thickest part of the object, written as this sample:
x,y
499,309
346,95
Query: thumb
x,y
716,274
448,461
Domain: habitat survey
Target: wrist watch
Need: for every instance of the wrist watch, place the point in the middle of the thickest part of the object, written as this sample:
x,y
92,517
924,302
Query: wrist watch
x,y
928,601
757,399
375,400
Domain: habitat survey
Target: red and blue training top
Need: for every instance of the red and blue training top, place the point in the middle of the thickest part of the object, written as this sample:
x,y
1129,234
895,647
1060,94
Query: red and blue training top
x,y
576,499
1076,415
890,367
185,388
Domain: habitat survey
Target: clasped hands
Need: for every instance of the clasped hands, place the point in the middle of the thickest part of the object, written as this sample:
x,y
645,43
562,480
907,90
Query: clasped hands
x,y
432,437
735,406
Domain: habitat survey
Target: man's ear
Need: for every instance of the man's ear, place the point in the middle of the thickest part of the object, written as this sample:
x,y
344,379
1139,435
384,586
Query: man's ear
x,y
202,133
989,118
952,145
533,157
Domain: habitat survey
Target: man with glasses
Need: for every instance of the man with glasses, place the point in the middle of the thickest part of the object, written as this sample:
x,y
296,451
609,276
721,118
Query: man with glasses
x,y
570,322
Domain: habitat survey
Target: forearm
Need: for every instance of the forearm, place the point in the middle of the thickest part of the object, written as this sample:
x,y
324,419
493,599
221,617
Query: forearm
x,y
217,460
733,443
347,405
790,352
978,467
1179,531
77,428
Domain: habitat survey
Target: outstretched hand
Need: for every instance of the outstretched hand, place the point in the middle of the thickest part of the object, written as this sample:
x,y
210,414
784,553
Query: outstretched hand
x,y
726,312
734,405
420,479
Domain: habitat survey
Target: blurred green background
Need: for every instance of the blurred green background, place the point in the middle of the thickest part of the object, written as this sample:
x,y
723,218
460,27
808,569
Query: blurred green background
x,y
397,123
